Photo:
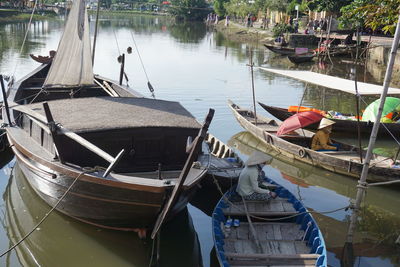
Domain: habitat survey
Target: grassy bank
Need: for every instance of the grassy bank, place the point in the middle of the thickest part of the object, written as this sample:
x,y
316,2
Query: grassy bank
x,y
11,15
239,33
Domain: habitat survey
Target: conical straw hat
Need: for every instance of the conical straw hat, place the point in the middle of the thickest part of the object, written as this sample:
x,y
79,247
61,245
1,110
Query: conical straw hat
x,y
325,123
257,158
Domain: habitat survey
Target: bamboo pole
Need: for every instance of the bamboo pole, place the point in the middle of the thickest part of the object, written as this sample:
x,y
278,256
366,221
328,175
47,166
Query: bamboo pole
x,y
362,182
95,31
251,64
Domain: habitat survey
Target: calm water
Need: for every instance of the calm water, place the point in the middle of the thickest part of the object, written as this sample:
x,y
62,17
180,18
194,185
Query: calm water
x,y
201,69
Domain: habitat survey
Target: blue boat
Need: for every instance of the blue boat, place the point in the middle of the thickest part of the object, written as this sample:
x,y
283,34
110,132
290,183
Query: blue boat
x,y
280,232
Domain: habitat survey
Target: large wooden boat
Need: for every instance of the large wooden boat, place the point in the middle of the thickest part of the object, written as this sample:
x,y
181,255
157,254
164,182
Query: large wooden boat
x,y
66,124
341,125
281,50
294,241
297,146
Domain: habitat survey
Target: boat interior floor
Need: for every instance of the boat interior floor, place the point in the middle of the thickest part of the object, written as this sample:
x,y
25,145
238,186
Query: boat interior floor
x,y
280,242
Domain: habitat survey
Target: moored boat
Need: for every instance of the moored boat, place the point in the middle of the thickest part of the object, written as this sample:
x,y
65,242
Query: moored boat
x,y
341,125
301,58
296,145
282,50
66,124
225,164
279,232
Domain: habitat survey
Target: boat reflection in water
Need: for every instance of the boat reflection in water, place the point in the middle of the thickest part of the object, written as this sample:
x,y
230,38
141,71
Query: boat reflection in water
x,y
320,190
61,239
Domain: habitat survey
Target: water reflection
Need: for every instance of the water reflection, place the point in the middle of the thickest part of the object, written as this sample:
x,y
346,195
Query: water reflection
x,y
379,222
62,239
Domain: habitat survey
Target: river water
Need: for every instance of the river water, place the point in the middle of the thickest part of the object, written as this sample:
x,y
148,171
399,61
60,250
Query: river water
x,y
198,67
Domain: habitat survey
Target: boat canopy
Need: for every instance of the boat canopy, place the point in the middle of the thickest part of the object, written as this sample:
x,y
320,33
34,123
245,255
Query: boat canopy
x,y
332,82
72,65
91,114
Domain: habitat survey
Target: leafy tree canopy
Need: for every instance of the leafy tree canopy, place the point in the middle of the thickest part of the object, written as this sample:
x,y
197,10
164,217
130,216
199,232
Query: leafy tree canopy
x,y
375,14
328,5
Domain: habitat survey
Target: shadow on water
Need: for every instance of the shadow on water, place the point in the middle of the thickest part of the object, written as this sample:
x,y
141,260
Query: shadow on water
x,y
61,239
379,223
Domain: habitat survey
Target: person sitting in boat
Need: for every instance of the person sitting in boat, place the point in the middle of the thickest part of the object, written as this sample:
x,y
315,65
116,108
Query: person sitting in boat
x,y
349,39
321,140
280,40
250,178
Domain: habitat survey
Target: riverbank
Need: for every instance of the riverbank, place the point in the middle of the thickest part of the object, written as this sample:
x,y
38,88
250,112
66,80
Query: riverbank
x,y
240,33
13,15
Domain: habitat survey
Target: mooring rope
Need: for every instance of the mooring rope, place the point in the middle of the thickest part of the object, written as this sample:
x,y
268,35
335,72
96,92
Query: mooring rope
x,y
86,170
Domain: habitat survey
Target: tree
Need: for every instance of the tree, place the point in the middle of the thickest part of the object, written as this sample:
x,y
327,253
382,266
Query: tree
x,y
219,7
328,5
375,14
189,9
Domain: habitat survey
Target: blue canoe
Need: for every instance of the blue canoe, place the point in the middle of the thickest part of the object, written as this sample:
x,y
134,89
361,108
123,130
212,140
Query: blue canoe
x,y
294,241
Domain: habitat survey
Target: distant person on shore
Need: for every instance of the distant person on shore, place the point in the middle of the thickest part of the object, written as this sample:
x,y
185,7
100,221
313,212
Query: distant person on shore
x,y
227,18
248,18
321,140
251,178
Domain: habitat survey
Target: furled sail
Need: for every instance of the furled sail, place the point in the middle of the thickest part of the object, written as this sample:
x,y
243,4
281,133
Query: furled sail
x,y
72,65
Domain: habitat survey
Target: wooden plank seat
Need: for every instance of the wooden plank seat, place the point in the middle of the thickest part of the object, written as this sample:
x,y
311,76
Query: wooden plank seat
x,y
253,259
267,231
269,247
271,208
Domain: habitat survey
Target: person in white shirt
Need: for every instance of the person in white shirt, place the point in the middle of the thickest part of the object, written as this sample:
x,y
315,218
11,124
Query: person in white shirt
x,y
248,185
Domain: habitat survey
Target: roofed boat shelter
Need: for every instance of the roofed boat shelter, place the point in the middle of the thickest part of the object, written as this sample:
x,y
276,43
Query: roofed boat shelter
x,y
332,82
110,113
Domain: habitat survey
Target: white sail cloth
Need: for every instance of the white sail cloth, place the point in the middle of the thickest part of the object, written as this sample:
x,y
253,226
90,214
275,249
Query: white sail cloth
x,y
335,83
72,65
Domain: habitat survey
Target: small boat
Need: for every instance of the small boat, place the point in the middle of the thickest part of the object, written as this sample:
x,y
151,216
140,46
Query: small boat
x,y
280,49
341,125
225,164
296,145
301,58
294,240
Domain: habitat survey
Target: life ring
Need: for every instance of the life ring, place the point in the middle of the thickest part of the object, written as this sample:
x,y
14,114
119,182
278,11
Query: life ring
x,y
301,152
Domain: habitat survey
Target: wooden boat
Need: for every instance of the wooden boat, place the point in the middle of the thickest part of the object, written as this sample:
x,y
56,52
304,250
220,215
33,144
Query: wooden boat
x,y
280,49
341,126
294,241
67,123
301,58
23,209
225,164
296,146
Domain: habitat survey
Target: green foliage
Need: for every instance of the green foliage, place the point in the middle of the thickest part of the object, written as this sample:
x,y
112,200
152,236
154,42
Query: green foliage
x,y
281,28
240,8
219,7
277,5
328,5
375,14
189,9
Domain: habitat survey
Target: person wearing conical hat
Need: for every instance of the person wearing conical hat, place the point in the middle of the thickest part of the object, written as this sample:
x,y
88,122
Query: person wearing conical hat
x,y
321,140
248,185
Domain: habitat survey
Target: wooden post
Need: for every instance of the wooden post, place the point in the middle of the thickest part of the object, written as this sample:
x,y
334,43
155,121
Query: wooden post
x,y
53,130
362,182
182,177
121,74
5,101
357,103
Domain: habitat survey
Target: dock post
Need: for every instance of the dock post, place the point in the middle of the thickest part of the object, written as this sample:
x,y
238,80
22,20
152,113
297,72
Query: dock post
x,y
3,91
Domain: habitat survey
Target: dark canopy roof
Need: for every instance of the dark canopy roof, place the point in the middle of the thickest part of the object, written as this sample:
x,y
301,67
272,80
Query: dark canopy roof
x,y
105,113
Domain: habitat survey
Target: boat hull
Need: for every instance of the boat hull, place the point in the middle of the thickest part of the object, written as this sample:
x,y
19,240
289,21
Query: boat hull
x,y
280,50
296,59
306,155
102,205
341,126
